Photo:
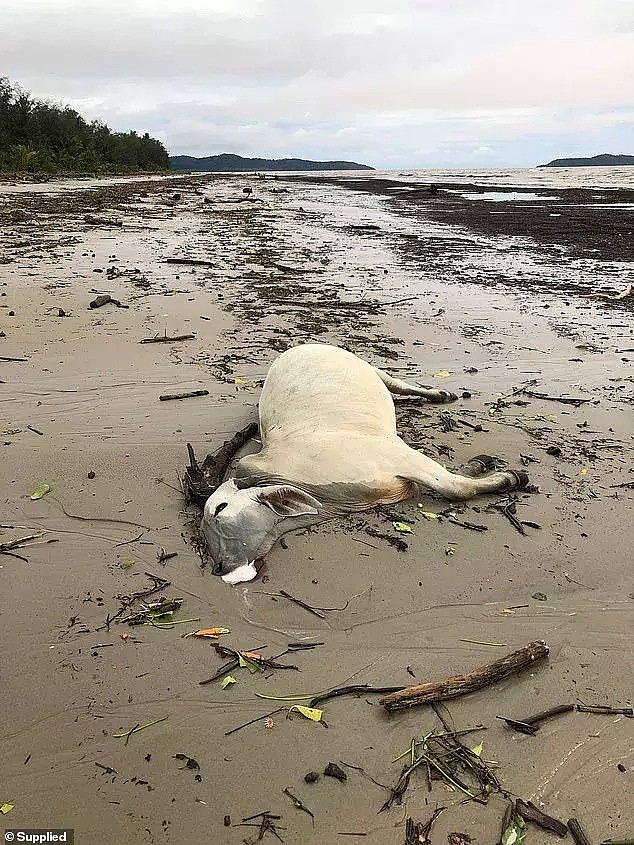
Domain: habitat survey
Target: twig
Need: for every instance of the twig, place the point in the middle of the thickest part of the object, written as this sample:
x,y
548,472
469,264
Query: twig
x,y
605,710
35,430
99,518
201,480
253,721
530,725
463,684
417,833
299,804
166,339
575,400
137,728
166,397
302,604
350,690
195,262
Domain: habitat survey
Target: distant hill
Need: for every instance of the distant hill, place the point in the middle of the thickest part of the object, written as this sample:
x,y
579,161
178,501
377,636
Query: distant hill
x,y
603,160
229,163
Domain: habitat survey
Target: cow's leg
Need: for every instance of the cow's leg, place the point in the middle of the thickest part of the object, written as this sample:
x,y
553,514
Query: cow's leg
x,y
402,388
478,466
427,473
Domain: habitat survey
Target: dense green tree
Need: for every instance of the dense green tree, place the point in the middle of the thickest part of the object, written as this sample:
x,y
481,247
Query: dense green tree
x,y
40,136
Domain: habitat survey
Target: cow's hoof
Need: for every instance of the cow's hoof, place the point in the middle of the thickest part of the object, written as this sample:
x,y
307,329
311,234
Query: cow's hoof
x,y
482,464
518,479
444,396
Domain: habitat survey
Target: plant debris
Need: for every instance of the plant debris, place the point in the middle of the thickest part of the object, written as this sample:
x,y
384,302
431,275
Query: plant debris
x,y
299,804
190,763
332,770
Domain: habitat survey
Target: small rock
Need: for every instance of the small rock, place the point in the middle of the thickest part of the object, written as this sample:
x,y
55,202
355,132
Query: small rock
x,y
555,451
311,777
11,313
466,394
61,312
332,770
540,596
227,821
91,474
621,767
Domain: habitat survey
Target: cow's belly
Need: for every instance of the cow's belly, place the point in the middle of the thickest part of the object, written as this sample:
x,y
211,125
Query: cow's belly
x,y
315,388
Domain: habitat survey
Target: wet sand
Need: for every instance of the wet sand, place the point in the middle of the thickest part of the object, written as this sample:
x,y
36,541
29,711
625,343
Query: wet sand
x,y
312,262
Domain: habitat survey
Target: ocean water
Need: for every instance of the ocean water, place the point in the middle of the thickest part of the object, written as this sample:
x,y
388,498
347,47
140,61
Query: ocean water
x,y
603,178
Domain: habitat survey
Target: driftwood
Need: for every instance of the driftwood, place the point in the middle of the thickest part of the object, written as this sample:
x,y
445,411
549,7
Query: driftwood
x,y
163,338
202,479
188,395
577,832
462,684
102,221
194,262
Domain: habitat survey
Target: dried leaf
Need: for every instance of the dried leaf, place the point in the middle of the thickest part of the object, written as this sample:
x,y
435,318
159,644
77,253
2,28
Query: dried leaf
x,y
583,472
212,633
312,713
253,655
226,682
403,527
428,514
450,550
442,374
40,491
6,808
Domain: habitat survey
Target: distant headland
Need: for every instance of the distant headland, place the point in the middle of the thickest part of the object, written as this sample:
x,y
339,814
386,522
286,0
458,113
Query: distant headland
x,y
229,163
603,160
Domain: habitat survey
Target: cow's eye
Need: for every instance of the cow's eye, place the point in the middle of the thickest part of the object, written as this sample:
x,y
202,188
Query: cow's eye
x,y
220,507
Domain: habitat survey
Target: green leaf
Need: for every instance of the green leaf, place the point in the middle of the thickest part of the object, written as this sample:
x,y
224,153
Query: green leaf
x,y
428,514
515,831
126,564
477,750
312,713
6,808
226,682
288,697
403,527
247,664
40,491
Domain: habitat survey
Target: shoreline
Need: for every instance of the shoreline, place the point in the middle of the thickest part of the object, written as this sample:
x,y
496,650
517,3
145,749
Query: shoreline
x,y
313,262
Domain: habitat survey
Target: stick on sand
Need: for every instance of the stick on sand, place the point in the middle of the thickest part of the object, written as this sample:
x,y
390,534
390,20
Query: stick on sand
x,y
458,685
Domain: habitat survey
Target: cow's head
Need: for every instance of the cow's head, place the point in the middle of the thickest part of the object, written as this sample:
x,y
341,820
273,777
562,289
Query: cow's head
x,y
241,524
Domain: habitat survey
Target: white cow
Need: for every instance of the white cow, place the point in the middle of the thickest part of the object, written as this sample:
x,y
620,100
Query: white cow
x,y
329,447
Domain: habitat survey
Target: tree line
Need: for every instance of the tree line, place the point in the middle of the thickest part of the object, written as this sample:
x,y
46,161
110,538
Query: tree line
x,y
36,136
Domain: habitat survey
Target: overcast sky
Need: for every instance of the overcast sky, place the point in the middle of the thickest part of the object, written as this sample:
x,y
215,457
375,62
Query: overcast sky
x,y
394,83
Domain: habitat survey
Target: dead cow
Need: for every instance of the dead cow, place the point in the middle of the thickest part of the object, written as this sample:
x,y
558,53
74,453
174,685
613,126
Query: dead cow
x,y
329,447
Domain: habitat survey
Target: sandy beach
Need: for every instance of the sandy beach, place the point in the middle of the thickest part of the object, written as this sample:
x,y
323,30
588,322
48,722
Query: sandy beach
x,y
484,297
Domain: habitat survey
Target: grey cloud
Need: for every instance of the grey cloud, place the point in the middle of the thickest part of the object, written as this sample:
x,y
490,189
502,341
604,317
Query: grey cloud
x,y
395,81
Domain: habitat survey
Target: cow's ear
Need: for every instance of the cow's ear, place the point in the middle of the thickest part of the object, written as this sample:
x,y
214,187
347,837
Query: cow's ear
x,y
286,501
